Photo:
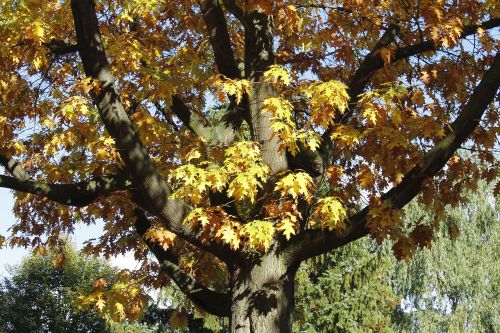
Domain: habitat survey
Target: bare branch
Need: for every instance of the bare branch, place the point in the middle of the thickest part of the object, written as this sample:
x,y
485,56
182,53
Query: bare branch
x,y
60,47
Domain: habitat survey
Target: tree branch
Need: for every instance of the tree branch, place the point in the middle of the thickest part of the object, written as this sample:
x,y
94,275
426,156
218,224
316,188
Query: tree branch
x,y
76,194
153,189
219,38
190,119
373,62
430,45
315,242
359,81
143,172
225,60
60,47
215,303
234,9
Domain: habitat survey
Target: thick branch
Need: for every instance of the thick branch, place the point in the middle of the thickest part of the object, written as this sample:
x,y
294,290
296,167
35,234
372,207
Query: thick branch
x,y
225,60
59,47
190,119
153,189
14,168
219,38
143,172
213,134
315,242
216,303
234,9
76,194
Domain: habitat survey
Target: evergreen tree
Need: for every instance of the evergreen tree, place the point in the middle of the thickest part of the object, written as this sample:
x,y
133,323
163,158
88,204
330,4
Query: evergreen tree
x,y
346,291
450,287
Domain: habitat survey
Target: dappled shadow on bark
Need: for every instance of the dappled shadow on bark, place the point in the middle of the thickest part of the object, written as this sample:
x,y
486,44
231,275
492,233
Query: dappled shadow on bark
x,y
263,301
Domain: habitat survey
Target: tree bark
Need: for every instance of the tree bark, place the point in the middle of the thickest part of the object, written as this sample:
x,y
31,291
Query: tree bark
x,y
263,296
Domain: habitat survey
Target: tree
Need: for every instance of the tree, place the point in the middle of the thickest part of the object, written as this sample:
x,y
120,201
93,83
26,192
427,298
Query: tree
x,y
39,296
335,114
348,290
452,286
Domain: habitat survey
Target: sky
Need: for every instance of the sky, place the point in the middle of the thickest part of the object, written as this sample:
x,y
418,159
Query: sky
x,y
13,256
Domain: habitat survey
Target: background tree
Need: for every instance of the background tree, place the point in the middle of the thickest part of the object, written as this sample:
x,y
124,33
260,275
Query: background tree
x,y
450,287
349,290
39,294
340,113
453,286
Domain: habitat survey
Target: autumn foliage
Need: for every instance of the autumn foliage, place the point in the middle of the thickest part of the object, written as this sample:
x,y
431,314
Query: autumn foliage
x,y
212,133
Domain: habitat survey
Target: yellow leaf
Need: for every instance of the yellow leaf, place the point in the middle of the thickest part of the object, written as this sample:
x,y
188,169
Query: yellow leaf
x,y
346,135
327,99
259,234
330,213
365,178
99,305
119,311
161,236
277,75
229,236
295,185
236,88
36,32
288,225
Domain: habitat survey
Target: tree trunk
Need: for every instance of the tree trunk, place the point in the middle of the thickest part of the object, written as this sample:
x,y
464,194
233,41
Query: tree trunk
x,y
263,296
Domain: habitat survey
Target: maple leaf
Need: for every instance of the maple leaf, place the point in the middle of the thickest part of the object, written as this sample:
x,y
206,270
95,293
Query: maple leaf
x,y
331,213
161,236
229,236
422,235
179,320
276,74
346,135
365,177
259,234
326,98
288,225
100,304
383,220
334,174
236,88
100,283
295,185
403,249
